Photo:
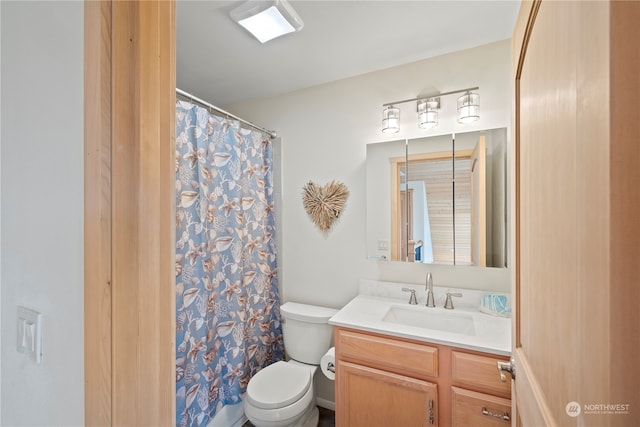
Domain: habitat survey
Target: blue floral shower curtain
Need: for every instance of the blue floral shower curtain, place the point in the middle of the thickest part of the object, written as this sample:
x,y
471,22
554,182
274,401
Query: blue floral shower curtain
x,y
227,303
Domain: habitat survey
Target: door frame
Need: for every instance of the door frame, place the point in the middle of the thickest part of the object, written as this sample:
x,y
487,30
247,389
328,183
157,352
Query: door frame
x,y
129,344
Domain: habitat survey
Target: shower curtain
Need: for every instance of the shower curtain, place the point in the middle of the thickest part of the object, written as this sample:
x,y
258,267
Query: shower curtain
x,y
227,303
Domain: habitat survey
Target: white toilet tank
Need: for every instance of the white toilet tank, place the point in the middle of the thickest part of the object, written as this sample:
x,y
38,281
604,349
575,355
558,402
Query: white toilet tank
x,y
306,331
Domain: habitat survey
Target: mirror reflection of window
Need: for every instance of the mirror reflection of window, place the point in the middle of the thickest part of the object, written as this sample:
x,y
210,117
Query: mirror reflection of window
x,y
430,218
415,217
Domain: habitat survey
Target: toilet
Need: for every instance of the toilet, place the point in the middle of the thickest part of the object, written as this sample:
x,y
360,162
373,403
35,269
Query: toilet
x,y
283,394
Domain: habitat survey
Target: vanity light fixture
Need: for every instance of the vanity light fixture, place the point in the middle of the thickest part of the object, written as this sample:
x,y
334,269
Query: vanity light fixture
x,y
428,107
469,107
428,112
267,19
391,119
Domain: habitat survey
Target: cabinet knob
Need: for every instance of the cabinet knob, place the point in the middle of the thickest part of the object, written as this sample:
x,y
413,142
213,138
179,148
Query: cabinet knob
x,y
506,367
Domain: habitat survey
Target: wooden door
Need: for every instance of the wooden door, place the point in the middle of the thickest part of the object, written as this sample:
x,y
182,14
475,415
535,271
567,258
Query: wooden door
x,y
479,204
369,397
576,68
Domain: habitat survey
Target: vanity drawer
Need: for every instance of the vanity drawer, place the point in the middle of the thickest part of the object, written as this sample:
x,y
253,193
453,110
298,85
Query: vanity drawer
x,y
479,372
393,355
470,408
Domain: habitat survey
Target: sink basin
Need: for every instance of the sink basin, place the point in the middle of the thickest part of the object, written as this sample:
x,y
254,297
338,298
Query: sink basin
x,y
427,318
463,327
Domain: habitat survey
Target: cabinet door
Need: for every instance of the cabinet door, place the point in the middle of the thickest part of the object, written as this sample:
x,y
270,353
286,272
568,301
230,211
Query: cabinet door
x,y
368,397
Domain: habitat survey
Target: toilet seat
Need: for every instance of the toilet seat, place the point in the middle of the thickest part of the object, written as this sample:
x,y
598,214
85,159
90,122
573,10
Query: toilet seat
x,y
278,385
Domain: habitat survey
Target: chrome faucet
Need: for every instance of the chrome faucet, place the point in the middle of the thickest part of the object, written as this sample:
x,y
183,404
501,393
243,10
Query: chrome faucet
x,y
429,287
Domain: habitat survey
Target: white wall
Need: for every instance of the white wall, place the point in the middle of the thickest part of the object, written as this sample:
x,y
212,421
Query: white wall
x,y
324,132
42,208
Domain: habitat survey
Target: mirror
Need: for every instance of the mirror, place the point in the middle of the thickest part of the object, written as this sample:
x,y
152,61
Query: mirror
x,y
439,199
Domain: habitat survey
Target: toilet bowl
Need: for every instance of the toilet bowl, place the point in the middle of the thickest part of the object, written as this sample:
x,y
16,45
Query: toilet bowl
x,y
283,393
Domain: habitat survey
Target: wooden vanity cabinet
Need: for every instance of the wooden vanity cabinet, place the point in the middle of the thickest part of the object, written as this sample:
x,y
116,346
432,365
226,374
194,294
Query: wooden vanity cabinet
x,y
386,381
382,381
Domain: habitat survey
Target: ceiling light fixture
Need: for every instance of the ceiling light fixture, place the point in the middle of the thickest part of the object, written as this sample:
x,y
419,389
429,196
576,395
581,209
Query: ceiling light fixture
x,y
266,20
391,119
428,112
428,107
468,107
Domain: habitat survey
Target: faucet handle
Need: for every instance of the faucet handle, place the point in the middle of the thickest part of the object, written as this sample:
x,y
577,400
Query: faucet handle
x,y
448,304
412,298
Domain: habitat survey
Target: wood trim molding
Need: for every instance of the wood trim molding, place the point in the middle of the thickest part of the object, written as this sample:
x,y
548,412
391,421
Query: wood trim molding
x,y
396,245
624,199
129,205
527,389
522,32
97,213
520,39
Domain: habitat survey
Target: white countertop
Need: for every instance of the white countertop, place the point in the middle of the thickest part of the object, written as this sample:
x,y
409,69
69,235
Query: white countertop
x,y
365,312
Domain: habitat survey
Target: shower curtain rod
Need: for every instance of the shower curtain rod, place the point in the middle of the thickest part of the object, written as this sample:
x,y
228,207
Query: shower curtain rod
x,y
190,97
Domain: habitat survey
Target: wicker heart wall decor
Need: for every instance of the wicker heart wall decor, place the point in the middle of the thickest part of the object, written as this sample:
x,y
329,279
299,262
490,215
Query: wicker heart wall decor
x,y
324,204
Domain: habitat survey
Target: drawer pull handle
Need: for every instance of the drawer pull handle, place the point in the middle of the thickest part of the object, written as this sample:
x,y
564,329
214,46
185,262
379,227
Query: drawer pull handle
x,y
504,416
431,417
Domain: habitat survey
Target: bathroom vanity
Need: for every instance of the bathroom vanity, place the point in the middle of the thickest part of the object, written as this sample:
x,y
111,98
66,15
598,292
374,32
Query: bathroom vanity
x,y
392,370
386,381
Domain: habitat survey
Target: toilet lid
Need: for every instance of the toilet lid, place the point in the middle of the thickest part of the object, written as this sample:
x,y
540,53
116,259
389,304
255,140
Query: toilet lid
x,y
278,385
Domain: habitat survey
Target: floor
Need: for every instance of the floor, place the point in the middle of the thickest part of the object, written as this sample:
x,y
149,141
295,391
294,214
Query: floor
x,y
327,419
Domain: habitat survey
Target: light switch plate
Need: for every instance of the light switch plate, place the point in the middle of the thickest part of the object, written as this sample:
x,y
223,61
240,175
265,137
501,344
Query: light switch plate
x,y
29,333
383,245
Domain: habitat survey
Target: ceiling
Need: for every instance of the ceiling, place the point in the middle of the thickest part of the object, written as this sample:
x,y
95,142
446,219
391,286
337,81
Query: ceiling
x,y
220,62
